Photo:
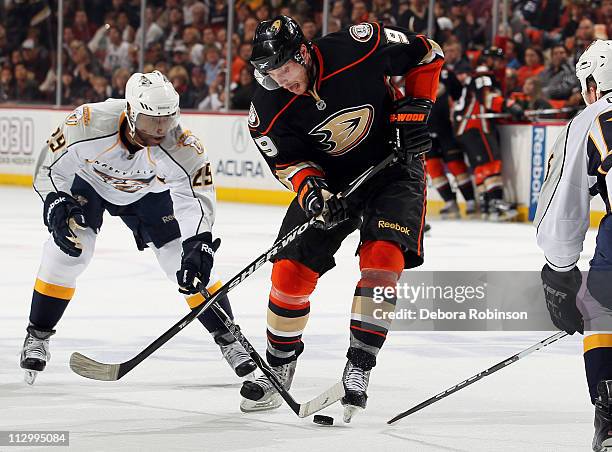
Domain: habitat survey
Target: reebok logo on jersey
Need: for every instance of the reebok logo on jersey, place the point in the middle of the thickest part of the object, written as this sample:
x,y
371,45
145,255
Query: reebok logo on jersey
x,y
382,224
207,249
167,219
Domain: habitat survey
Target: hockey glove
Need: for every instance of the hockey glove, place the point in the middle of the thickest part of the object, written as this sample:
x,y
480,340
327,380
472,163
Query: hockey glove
x,y
317,201
410,133
196,262
62,214
560,291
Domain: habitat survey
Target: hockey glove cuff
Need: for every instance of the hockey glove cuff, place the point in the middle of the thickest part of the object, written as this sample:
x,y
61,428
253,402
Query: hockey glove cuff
x,y
196,262
62,215
560,292
410,133
317,201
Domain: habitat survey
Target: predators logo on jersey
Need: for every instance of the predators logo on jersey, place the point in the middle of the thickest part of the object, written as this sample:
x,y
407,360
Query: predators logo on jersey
x,y
124,184
345,129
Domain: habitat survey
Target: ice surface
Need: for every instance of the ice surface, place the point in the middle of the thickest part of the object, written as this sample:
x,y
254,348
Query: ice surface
x,y
185,398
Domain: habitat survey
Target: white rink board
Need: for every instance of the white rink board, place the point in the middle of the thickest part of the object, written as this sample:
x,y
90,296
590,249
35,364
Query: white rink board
x,y
234,157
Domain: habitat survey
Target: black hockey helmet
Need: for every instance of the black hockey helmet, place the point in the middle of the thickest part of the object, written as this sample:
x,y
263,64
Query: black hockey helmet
x,y
276,41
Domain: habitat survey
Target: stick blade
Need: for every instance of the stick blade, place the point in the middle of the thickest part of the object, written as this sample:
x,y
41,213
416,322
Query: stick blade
x,y
88,368
332,395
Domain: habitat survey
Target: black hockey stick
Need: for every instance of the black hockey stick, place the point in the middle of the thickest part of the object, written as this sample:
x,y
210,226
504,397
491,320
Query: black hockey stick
x,y
480,375
331,395
89,368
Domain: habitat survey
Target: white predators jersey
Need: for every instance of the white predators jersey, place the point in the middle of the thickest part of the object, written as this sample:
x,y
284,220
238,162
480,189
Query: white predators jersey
x,y
87,144
578,164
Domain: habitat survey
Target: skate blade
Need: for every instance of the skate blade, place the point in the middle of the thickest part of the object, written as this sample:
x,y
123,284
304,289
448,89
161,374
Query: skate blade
x,y
250,406
349,412
30,376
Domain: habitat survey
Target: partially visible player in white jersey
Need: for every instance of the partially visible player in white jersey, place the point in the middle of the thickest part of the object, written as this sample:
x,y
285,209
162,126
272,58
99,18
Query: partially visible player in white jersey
x,y
578,169
131,158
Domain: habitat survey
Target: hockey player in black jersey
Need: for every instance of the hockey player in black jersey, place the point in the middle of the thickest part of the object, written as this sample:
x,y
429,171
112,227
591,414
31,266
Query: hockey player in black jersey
x,y
446,153
326,111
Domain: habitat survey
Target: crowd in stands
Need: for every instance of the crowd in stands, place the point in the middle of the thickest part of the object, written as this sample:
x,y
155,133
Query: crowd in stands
x,y
187,41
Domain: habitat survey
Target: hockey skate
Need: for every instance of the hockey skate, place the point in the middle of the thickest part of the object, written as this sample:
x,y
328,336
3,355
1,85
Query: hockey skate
x,y
471,209
450,211
355,379
260,395
235,355
500,210
602,440
35,352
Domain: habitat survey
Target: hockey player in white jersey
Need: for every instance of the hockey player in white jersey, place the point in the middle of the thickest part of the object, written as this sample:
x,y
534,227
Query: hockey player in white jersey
x,y
579,168
131,158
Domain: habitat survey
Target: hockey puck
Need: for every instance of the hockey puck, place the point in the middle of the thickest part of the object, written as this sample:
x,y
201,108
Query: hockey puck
x,y
323,420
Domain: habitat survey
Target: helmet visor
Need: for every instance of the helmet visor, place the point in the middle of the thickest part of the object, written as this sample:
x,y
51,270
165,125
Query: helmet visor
x,y
156,126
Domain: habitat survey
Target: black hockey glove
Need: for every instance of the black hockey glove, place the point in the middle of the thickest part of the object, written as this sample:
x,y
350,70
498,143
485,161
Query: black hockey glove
x,y
196,262
410,133
62,214
560,291
316,200
516,110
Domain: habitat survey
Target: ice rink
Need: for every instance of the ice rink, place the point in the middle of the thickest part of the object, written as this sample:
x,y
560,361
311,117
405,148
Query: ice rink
x,y
186,398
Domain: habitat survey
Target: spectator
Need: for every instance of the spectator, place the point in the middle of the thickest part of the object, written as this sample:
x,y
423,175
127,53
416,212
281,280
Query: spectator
x,y
533,65
559,80
359,13
26,89
180,57
463,20
100,91
209,39
82,29
120,78
213,64
415,17
36,59
215,101
338,12
199,18
198,89
154,53
191,38
513,54
249,29
454,57
309,28
585,35
98,45
175,29
218,15
162,66
179,78
123,23
241,60
154,32
68,90
7,85
4,49
117,53
534,98
243,93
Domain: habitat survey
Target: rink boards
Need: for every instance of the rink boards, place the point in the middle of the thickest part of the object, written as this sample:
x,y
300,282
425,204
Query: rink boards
x,y
242,175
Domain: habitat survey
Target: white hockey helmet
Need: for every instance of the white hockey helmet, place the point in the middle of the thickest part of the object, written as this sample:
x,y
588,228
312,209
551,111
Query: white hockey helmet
x,y
596,61
152,104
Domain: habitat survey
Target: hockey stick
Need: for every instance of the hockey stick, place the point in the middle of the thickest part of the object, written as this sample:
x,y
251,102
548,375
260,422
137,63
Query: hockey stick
x,y
330,396
480,375
545,111
89,368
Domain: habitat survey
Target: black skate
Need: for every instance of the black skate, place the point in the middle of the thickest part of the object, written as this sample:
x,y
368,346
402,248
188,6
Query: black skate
x,y
470,209
484,206
450,211
35,352
260,395
500,210
602,440
355,379
235,355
